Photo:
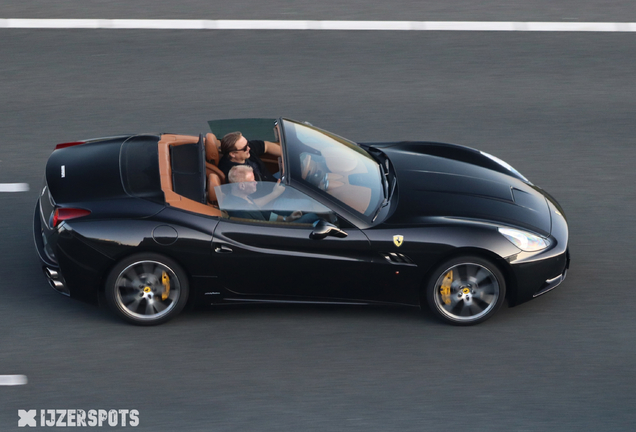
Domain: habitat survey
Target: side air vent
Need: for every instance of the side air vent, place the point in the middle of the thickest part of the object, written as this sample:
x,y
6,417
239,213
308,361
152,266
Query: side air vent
x,y
397,258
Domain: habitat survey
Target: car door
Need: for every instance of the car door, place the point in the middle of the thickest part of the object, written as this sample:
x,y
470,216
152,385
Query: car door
x,y
268,258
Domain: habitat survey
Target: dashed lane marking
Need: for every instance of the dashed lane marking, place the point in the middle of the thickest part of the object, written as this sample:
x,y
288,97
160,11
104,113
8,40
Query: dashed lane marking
x,y
14,187
180,24
13,380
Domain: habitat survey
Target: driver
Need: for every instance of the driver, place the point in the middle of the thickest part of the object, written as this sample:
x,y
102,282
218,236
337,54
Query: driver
x,y
244,185
237,150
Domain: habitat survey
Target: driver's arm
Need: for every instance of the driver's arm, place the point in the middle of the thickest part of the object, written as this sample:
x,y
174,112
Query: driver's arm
x,y
273,217
275,193
273,148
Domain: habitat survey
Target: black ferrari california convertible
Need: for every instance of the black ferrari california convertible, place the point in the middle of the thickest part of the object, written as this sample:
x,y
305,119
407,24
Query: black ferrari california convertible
x,y
150,224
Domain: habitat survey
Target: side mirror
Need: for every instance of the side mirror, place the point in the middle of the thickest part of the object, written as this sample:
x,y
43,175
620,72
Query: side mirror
x,y
324,229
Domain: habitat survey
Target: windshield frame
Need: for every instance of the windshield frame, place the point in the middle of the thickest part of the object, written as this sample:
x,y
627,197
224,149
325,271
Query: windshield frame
x,y
293,178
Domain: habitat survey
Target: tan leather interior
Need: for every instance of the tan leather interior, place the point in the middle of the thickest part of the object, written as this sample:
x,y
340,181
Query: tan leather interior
x,y
213,181
212,149
339,161
213,156
356,197
213,169
175,140
165,171
343,164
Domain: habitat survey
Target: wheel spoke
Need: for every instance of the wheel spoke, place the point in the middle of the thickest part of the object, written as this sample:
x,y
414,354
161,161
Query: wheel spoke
x,y
484,296
475,308
481,303
127,284
481,275
148,268
159,306
134,305
150,310
465,310
132,277
462,273
479,290
157,273
457,308
471,272
489,288
130,297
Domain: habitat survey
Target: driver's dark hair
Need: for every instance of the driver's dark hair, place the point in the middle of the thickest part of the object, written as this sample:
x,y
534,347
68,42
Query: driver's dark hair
x,y
228,142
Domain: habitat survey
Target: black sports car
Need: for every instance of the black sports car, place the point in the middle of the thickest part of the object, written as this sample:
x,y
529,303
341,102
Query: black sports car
x,y
149,221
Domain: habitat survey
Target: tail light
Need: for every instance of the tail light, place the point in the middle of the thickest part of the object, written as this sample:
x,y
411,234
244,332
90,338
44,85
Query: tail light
x,y
68,144
62,214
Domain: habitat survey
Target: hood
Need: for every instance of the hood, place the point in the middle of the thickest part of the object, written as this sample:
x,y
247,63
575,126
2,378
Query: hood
x,y
444,180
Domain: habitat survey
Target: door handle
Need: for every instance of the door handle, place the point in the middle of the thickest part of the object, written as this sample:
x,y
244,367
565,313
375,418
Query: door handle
x,y
223,249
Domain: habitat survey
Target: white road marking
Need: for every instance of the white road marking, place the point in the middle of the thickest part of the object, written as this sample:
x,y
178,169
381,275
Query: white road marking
x,y
180,24
14,187
13,380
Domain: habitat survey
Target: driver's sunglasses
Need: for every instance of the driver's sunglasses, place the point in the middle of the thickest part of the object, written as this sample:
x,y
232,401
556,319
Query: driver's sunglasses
x,y
243,149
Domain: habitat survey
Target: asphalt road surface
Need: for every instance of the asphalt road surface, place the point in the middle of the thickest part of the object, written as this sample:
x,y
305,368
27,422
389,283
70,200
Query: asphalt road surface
x,y
558,107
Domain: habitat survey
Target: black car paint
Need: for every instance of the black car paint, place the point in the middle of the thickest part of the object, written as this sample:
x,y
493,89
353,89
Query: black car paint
x,y
265,262
80,173
432,185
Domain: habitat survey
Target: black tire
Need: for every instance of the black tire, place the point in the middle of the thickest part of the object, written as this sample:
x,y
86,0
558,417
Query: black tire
x,y
147,289
465,290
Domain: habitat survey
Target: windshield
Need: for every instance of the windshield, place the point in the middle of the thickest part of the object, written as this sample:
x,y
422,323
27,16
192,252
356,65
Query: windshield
x,y
334,165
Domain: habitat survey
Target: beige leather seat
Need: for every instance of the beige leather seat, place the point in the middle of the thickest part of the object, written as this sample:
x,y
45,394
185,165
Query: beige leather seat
x,y
213,156
212,149
213,180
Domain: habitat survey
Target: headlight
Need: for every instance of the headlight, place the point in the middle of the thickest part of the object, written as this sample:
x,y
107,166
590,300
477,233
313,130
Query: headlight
x,y
524,240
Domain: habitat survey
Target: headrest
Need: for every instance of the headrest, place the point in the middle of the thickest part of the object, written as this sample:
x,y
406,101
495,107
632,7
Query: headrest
x,y
212,148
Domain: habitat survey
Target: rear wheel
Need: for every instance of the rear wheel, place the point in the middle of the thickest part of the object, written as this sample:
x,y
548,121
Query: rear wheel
x,y
466,290
147,289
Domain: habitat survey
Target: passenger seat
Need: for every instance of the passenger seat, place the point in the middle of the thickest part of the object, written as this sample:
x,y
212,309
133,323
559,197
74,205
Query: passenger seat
x,y
212,156
213,180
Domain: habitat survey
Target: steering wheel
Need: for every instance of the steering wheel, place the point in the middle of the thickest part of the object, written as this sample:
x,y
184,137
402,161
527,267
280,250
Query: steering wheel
x,y
325,182
319,179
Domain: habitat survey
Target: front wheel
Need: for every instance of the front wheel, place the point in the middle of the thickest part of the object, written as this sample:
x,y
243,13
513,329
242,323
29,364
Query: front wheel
x,y
147,289
466,290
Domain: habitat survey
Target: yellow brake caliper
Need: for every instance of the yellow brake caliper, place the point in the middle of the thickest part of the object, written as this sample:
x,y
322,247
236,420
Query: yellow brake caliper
x,y
165,280
445,288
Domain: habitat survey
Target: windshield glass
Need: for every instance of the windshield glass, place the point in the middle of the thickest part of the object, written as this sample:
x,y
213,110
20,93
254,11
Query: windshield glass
x,y
334,165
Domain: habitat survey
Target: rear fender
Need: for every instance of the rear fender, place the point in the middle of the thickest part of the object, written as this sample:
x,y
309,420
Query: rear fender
x,y
116,239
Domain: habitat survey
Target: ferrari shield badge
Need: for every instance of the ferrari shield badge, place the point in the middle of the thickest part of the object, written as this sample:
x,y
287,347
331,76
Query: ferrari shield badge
x,y
398,240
